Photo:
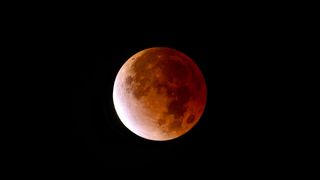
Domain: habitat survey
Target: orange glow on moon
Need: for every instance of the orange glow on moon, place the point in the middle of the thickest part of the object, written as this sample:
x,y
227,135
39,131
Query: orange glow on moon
x,y
159,94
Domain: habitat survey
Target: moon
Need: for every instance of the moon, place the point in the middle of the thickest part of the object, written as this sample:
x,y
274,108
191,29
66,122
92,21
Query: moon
x,y
159,93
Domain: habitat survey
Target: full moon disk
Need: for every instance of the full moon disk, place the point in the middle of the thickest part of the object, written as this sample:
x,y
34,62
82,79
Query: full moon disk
x,y
159,93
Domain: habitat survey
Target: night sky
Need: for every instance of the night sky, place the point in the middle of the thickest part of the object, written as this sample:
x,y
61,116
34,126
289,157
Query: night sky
x,y
232,135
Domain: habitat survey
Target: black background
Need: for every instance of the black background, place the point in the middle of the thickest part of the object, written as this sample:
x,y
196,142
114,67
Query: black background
x,y
237,52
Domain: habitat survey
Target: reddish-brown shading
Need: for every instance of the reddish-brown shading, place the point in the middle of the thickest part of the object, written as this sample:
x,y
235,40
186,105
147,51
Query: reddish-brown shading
x,y
174,76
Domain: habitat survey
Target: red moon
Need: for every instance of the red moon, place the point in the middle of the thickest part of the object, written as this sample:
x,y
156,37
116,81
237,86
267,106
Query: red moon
x,y
159,93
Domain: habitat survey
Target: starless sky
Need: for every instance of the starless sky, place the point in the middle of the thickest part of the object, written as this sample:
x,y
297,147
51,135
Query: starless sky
x,y
228,135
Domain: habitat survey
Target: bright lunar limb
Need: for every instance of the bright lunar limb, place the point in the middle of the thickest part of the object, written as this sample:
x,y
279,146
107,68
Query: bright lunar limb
x,y
159,93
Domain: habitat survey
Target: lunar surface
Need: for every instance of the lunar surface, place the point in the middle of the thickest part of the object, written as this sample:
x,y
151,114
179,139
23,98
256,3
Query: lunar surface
x,y
159,94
